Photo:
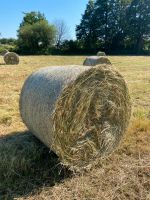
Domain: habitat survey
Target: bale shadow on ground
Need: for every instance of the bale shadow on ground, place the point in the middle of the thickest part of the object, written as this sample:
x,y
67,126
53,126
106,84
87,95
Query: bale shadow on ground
x,y
26,165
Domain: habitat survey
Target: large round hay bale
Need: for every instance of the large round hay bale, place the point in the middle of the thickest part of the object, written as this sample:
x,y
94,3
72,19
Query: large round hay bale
x,y
11,58
100,53
79,112
96,60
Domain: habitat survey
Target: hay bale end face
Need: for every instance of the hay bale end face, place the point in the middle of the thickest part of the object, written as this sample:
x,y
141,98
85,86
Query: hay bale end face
x,y
96,60
11,58
81,113
100,53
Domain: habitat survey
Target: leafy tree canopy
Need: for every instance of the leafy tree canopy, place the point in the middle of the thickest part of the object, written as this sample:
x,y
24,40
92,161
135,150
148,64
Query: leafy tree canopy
x,y
35,35
115,25
32,18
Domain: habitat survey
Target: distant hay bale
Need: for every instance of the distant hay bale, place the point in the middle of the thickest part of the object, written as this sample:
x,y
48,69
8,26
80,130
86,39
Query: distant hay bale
x,y
96,60
11,58
79,112
100,53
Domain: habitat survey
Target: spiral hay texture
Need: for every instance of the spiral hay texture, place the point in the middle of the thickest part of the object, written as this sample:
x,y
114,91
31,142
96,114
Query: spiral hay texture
x,y
80,112
100,53
96,60
11,58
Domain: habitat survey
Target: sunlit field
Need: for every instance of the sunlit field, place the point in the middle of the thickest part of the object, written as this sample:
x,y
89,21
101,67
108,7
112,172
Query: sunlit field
x,y
28,170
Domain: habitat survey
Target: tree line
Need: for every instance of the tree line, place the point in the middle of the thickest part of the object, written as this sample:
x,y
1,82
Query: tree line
x,y
36,35
113,26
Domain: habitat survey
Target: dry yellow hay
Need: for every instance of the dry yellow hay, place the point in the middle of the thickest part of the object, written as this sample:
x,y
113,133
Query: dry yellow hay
x,y
11,58
96,60
79,112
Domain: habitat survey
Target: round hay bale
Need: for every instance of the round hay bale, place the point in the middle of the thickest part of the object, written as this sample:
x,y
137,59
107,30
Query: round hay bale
x,y
11,58
100,53
4,52
81,113
96,60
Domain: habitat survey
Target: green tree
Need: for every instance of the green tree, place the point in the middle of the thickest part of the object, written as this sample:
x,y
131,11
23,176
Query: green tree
x,y
109,18
36,37
115,25
138,27
86,30
9,41
32,18
102,25
118,38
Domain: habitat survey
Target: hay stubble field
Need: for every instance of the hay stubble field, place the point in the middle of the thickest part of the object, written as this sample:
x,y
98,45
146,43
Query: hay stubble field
x,y
29,171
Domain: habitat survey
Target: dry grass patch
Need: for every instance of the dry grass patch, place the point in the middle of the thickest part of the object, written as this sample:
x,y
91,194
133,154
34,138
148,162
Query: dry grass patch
x,y
39,175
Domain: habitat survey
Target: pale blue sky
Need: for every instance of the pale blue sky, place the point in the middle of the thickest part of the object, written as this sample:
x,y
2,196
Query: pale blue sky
x,y
11,13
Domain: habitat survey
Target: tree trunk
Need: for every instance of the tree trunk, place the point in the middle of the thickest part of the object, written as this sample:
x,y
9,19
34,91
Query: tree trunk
x,y
139,44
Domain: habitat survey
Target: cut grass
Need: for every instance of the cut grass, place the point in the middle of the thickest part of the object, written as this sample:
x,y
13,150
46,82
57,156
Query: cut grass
x,y
29,171
25,160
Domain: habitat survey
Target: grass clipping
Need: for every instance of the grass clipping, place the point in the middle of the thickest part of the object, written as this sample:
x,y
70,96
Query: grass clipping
x,y
11,58
90,116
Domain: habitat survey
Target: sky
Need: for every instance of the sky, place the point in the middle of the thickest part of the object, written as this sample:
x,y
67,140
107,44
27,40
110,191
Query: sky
x,y
11,13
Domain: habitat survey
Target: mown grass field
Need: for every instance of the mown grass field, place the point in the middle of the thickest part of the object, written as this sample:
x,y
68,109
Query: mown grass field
x,y
29,171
